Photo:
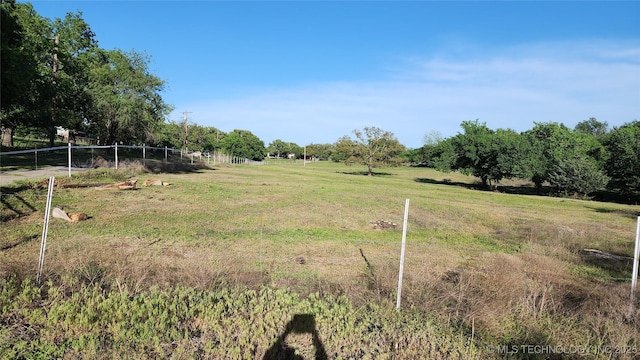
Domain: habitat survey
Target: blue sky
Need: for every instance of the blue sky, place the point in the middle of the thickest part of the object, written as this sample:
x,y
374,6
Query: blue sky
x,y
313,71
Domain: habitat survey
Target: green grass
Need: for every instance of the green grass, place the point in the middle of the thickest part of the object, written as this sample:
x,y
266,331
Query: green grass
x,y
507,268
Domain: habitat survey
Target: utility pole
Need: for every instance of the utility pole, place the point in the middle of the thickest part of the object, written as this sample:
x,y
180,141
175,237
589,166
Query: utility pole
x,y
56,41
186,129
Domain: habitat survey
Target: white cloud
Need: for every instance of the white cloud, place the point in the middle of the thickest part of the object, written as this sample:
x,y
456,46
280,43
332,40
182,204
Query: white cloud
x,y
507,88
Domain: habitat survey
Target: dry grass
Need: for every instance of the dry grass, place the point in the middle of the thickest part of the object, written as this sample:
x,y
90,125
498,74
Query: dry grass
x,y
507,266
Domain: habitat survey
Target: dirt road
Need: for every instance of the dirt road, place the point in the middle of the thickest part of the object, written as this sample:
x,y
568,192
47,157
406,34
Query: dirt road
x,y
7,177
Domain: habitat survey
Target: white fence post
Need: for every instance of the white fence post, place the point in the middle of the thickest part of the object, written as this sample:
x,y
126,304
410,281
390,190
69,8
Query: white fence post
x,y
144,154
69,151
116,147
45,229
634,274
404,241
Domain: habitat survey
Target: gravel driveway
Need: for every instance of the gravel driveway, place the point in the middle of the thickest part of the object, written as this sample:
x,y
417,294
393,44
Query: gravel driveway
x,y
7,177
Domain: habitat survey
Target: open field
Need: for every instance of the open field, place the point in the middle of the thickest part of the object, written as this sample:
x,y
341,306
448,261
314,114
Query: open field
x,y
487,269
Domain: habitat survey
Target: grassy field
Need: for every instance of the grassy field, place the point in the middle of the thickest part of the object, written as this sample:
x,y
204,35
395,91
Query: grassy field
x,y
484,270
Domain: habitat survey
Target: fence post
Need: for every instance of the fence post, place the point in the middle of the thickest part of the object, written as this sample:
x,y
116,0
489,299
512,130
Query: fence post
x,y
165,153
634,274
36,156
45,229
404,241
116,147
69,151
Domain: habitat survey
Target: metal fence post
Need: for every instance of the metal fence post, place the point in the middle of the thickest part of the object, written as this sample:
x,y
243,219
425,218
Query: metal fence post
x,y
69,151
45,229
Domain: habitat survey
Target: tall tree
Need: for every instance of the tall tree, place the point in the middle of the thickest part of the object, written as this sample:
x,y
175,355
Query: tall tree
x,y
127,106
476,151
27,69
593,127
372,147
321,151
623,162
428,154
277,147
75,42
549,143
578,176
244,144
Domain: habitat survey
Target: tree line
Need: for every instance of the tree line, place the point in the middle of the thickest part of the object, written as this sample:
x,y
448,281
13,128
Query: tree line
x,y
573,162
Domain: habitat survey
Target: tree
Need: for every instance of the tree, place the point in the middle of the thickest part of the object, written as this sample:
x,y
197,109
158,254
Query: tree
x,y
244,144
579,175
475,151
44,77
550,143
26,68
127,105
343,149
479,151
428,154
593,127
277,147
320,151
75,43
623,160
373,147
280,147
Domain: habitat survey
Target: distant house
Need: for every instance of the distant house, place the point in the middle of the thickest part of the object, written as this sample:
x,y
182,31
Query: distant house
x,y
63,133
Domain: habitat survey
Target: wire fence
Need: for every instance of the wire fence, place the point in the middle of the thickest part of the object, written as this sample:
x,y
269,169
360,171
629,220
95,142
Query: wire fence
x,y
73,156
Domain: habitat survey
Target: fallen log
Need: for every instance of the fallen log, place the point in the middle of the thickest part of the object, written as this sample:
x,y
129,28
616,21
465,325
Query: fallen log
x,y
125,185
604,255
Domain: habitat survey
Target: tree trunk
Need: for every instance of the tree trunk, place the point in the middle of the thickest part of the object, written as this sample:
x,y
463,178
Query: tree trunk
x,y
52,135
72,137
485,182
7,136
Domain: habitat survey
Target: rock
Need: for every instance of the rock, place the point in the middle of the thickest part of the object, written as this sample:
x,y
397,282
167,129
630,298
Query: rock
x,y
58,213
153,182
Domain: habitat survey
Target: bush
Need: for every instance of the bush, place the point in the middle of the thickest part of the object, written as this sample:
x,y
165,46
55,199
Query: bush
x,y
579,175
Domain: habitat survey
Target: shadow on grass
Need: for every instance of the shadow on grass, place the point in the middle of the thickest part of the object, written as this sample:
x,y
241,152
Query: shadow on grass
x,y
10,192
632,214
364,173
165,167
300,324
601,196
515,190
25,239
475,186
617,197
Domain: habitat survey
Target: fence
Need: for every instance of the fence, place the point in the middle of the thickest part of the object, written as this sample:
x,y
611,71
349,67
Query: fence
x,y
88,156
